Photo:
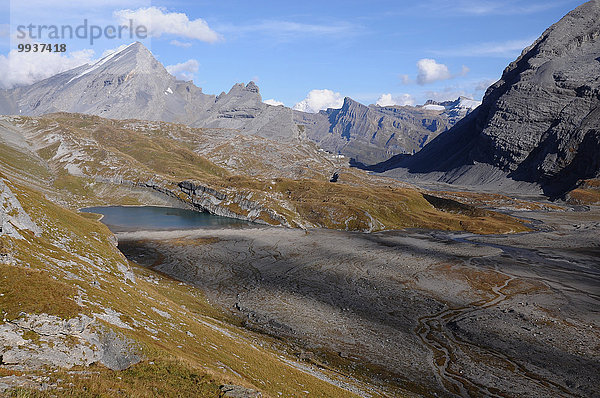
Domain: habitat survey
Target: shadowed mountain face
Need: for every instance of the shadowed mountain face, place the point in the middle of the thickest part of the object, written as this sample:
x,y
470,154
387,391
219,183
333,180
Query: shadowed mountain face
x,y
539,124
371,134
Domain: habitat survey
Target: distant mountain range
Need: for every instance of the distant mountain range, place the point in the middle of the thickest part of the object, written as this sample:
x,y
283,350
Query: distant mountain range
x,y
539,124
132,84
371,134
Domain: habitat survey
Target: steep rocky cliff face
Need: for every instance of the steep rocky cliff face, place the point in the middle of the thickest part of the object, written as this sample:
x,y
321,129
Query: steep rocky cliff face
x,y
371,134
540,123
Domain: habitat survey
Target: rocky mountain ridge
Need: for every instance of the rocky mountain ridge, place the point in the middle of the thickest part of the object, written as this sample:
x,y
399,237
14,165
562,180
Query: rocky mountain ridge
x,y
132,84
371,134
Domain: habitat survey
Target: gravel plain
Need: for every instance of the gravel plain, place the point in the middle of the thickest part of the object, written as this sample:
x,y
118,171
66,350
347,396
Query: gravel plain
x,y
429,312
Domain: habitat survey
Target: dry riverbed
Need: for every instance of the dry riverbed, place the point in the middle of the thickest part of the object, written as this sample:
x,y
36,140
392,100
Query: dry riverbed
x,y
428,312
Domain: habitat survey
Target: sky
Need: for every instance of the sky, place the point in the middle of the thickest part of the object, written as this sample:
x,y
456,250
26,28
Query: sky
x,y
308,55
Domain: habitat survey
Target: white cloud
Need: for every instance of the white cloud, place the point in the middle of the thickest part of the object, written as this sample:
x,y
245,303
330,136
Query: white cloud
x,y
318,100
27,68
430,71
158,22
185,70
180,43
389,100
273,102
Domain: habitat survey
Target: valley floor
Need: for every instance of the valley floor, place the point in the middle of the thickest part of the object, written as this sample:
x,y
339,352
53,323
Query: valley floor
x,y
424,312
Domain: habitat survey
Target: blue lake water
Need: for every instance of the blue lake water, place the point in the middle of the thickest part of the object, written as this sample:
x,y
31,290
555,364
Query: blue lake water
x,y
128,218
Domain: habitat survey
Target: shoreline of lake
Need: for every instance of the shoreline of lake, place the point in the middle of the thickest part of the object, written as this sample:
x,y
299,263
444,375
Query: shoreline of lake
x,y
160,218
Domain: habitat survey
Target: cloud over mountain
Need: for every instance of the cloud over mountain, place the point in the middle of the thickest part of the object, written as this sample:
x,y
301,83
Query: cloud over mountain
x,y
20,68
430,71
185,70
390,100
158,22
318,100
273,102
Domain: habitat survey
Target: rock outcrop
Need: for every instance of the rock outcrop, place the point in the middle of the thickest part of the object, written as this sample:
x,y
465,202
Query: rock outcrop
x,y
35,341
220,204
13,219
539,124
233,391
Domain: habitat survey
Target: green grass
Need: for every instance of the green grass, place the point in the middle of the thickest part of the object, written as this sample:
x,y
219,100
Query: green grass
x,y
24,163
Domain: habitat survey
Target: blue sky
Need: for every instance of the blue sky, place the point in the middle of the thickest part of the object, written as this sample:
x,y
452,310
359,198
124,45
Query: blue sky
x,y
410,50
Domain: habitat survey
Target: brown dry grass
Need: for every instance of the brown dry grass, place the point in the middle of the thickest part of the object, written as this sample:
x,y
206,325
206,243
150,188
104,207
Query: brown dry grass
x,y
585,196
497,200
159,378
35,292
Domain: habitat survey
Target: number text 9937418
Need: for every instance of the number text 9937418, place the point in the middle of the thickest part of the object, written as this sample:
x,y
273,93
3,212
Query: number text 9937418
x,y
36,47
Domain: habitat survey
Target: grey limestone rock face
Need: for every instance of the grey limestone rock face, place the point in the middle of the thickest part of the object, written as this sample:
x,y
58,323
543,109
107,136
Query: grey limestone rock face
x,y
132,84
215,202
540,123
242,109
233,391
127,83
13,219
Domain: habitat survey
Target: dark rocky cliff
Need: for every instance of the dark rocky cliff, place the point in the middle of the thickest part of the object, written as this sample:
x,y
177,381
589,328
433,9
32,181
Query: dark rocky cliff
x,y
540,123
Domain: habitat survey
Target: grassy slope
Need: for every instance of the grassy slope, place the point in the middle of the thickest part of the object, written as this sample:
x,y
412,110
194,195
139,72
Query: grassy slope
x,y
73,251
587,194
